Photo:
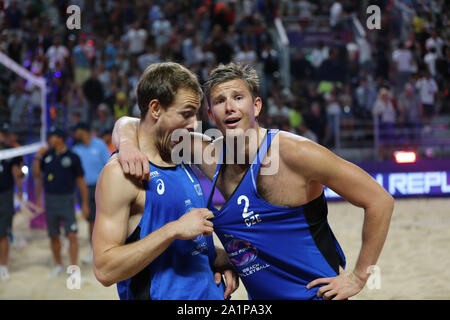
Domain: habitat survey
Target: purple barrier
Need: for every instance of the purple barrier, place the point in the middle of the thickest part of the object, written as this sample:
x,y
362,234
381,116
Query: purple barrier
x,y
424,178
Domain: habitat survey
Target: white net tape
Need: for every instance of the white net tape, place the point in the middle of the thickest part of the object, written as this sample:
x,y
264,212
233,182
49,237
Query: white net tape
x,y
36,81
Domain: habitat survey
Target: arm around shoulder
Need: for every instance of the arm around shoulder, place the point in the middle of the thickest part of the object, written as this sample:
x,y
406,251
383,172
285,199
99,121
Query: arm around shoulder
x,y
114,260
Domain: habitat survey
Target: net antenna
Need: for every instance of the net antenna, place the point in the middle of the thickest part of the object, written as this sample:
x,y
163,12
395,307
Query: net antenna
x,y
39,82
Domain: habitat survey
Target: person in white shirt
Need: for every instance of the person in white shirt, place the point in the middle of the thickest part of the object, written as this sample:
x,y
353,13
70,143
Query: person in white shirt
x,y
319,55
246,56
365,53
430,61
404,63
150,56
435,42
427,88
384,110
336,12
57,55
136,38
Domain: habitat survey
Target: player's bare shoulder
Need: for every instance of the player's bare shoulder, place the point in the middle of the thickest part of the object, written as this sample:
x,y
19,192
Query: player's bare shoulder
x,y
113,179
293,147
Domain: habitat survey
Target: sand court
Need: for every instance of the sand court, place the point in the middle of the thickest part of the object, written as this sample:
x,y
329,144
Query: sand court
x,y
414,263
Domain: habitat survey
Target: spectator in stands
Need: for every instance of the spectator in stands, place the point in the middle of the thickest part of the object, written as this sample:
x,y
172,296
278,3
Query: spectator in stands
x,y
18,104
14,16
161,31
410,112
246,55
336,15
365,95
104,119
364,54
277,109
82,55
121,106
319,55
15,48
222,50
384,110
57,55
435,42
403,62
111,51
333,111
93,91
300,67
430,61
135,38
316,120
427,88
148,57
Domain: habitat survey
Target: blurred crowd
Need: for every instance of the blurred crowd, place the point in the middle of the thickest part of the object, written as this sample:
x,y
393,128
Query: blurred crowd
x,y
399,73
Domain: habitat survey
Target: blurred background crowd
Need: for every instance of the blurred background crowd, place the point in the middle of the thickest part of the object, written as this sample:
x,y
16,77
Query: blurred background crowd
x,y
397,75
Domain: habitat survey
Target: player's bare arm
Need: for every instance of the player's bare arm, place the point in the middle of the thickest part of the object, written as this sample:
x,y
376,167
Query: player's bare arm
x,y
135,163
315,163
114,260
125,138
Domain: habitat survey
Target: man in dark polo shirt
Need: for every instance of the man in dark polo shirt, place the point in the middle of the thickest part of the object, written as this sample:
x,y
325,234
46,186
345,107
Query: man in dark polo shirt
x,y
60,171
9,173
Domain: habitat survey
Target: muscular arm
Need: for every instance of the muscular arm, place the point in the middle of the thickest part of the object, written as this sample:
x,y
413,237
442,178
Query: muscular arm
x,y
113,259
125,137
135,163
354,185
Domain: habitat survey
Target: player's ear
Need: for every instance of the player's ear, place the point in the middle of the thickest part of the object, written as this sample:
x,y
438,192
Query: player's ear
x,y
257,105
154,109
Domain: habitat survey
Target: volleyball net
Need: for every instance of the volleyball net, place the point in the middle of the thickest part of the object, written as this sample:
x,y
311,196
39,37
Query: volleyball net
x,y
23,114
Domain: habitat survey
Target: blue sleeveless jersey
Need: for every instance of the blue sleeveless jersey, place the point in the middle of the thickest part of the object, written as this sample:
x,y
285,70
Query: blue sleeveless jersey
x,y
276,250
183,271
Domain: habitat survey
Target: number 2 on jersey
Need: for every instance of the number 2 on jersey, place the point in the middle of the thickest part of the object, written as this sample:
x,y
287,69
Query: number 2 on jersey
x,y
250,218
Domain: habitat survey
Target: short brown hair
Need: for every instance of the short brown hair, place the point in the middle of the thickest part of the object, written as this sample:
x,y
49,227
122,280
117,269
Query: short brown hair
x,y
161,81
232,71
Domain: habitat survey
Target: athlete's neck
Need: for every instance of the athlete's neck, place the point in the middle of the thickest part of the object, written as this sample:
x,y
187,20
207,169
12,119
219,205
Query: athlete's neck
x,y
147,143
241,150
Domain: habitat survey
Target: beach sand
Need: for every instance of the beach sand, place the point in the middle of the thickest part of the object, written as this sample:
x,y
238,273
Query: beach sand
x,y
413,264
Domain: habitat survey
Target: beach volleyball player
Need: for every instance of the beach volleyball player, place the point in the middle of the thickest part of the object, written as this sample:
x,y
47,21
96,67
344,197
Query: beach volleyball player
x,y
153,238
274,227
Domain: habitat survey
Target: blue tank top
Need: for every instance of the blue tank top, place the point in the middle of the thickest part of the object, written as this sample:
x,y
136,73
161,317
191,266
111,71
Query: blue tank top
x,y
184,270
276,250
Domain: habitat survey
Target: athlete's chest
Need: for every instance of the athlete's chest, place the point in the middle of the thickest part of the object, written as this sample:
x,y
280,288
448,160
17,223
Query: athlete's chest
x,y
281,188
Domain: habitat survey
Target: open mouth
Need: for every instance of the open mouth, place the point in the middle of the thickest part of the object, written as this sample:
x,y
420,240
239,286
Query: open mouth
x,y
232,122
